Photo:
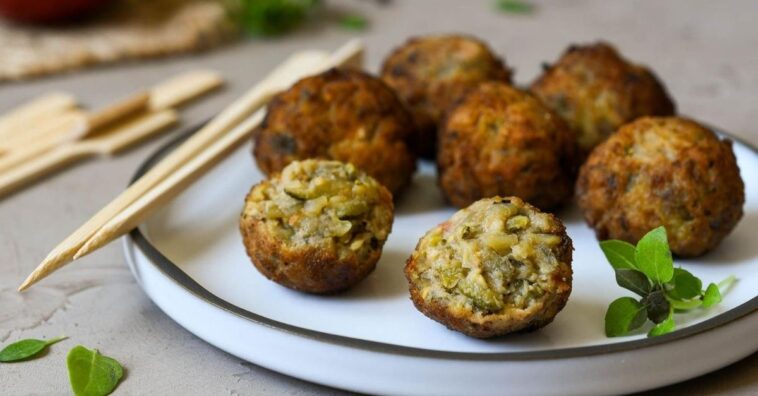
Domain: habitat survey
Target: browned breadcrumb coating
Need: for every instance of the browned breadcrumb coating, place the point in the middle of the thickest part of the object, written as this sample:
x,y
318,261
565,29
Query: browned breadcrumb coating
x,y
503,141
317,227
431,73
596,91
344,115
666,171
496,267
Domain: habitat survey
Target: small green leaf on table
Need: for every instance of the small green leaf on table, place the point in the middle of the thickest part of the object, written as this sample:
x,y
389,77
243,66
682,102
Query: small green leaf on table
x,y
653,256
92,374
515,6
686,285
623,315
619,253
25,349
711,296
633,280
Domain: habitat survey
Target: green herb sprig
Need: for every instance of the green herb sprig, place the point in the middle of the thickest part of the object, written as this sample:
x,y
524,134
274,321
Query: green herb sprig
x,y
648,271
271,17
25,349
92,374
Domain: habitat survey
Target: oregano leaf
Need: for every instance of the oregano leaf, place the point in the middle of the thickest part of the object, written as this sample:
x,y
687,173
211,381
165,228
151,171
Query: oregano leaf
x,y
623,315
711,296
657,306
25,349
620,254
633,280
653,256
685,285
92,374
666,326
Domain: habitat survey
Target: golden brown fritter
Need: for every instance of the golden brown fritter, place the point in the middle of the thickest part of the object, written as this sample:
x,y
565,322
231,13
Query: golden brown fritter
x,y
503,141
431,73
665,171
596,91
345,115
496,267
318,227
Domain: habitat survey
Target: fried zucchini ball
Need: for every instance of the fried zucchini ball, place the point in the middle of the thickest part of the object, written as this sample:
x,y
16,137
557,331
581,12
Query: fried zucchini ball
x,y
666,171
344,115
317,227
596,91
503,141
431,73
496,267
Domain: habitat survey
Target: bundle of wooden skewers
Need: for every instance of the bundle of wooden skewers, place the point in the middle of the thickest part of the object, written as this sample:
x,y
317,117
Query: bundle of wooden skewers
x,y
227,131
50,132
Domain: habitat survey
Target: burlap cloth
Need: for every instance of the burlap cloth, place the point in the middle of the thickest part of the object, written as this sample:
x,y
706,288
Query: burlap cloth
x,y
125,30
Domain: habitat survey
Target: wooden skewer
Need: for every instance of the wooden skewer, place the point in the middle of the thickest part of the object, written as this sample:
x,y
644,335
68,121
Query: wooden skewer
x,y
178,181
48,129
115,112
26,115
294,68
116,138
184,87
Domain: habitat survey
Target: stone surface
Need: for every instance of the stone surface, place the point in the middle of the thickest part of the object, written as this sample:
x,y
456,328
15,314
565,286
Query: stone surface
x,y
704,50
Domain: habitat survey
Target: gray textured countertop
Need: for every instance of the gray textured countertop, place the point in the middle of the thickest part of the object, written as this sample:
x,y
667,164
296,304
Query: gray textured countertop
x,y
705,51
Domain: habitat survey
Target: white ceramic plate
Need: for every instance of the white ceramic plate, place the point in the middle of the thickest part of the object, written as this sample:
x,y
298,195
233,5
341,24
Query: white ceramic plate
x,y
190,261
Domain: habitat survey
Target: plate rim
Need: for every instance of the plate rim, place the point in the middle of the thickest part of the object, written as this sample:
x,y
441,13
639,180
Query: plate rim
x,y
176,275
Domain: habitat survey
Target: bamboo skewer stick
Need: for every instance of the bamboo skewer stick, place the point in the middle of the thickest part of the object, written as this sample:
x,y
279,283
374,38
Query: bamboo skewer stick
x,y
111,141
178,181
44,130
293,69
182,88
25,116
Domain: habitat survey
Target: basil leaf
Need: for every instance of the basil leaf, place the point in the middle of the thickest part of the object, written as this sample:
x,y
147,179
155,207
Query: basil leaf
x,y
685,284
92,374
24,349
653,256
657,306
711,296
623,315
633,280
667,326
514,6
620,254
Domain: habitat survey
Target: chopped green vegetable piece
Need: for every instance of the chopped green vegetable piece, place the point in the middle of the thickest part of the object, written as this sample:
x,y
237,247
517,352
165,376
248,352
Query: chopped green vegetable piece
x,y
515,6
653,256
686,285
24,349
354,22
619,253
666,326
92,374
623,315
711,296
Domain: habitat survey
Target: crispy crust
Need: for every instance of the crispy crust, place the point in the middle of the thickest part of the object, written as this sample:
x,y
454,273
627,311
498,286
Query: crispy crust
x,y
663,171
513,320
502,141
420,72
596,91
345,115
307,269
